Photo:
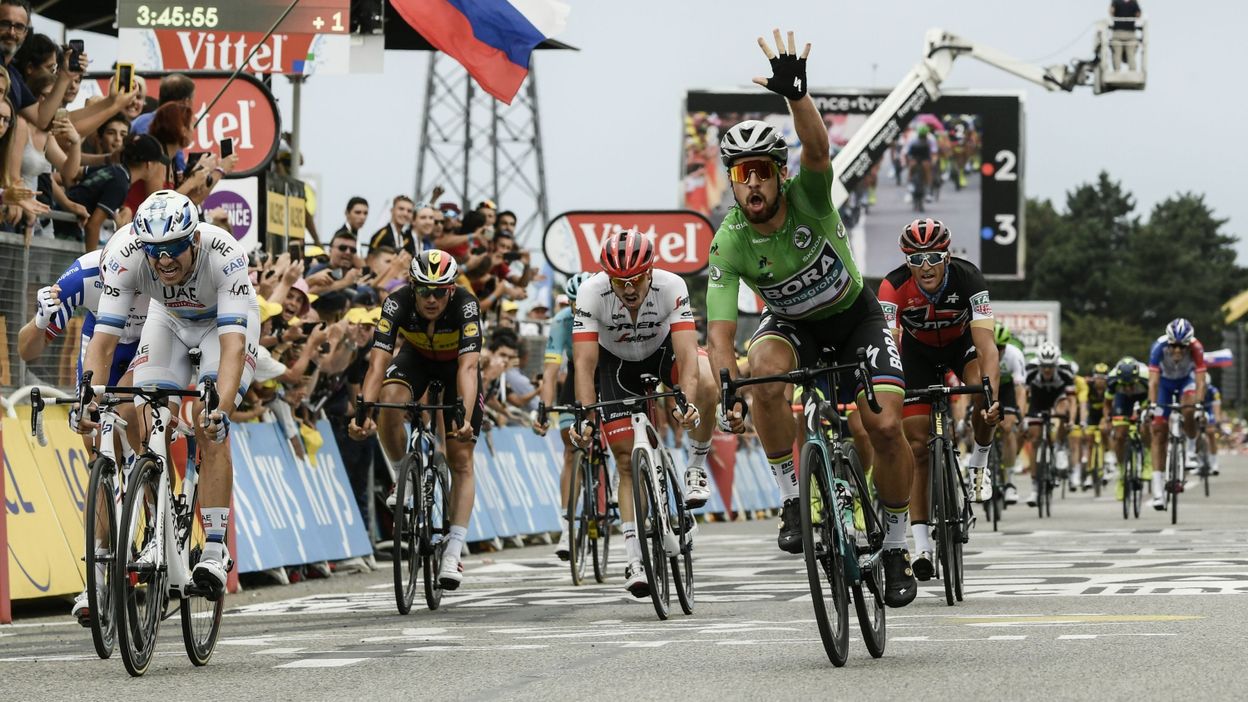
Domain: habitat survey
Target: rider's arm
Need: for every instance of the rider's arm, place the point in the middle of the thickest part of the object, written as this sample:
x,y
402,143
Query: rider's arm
x,y
721,306
385,341
1202,375
1154,382
889,298
813,133
585,340
466,381
986,350
31,341
230,371
120,268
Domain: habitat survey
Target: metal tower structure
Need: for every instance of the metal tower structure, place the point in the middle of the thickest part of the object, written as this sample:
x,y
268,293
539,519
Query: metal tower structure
x,y
478,148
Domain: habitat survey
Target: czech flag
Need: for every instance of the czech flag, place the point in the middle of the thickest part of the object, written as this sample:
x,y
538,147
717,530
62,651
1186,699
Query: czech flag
x,y
491,38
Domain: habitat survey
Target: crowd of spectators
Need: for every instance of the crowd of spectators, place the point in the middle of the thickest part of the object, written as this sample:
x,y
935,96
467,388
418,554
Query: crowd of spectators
x,y
78,174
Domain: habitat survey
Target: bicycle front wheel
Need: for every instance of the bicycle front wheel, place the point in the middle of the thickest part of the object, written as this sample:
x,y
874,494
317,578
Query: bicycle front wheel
x,y
201,619
140,583
650,532
407,553
101,531
943,513
580,511
683,524
601,541
1137,490
825,559
1128,480
1175,485
435,525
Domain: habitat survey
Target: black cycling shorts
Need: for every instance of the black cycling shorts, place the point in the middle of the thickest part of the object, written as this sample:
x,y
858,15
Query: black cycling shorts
x,y
415,372
922,362
619,380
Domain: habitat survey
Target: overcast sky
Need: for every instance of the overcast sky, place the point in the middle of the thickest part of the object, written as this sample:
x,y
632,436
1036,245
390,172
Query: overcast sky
x,y
611,112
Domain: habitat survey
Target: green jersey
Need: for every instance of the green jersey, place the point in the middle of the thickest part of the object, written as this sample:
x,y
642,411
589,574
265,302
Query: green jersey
x,y
804,270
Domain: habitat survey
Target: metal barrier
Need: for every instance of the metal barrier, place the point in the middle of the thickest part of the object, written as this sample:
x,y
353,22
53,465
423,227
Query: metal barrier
x,y
23,270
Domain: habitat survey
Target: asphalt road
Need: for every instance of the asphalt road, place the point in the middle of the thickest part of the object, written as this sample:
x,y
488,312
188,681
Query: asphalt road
x,y
1083,605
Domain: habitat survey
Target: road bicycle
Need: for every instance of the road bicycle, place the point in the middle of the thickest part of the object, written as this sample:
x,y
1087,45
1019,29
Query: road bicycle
x,y
666,529
842,553
1046,477
949,511
1176,457
1132,464
422,496
101,504
592,506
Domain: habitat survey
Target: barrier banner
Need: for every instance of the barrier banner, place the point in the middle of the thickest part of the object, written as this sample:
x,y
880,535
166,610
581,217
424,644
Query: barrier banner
x,y
44,485
288,510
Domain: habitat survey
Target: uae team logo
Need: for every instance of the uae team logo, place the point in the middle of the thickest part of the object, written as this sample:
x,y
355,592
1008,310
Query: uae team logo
x,y
802,237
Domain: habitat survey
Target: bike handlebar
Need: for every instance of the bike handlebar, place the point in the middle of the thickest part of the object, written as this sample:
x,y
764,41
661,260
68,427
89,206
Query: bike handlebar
x,y
801,376
435,389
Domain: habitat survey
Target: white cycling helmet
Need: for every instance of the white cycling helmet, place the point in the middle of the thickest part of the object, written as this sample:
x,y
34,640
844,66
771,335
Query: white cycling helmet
x,y
753,137
1048,354
165,216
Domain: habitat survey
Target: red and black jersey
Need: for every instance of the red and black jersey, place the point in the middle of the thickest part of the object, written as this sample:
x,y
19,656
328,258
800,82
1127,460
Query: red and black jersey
x,y
942,318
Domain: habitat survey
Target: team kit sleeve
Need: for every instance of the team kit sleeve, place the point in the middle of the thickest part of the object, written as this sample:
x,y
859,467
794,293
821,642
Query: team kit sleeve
x,y
1154,356
394,308
72,295
585,315
889,300
681,317
812,191
724,281
557,341
470,329
1198,356
235,296
119,277
977,297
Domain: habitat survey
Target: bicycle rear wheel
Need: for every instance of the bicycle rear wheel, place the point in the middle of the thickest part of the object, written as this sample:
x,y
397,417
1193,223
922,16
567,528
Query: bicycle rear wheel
x,y
435,525
406,533
822,549
650,537
100,525
201,619
601,537
683,524
580,510
140,584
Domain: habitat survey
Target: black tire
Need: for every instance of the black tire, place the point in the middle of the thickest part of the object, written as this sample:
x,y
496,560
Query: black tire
x,y
959,526
1177,461
1137,494
992,508
601,537
1128,482
942,513
825,566
201,618
408,557
435,525
140,602
1098,466
870,609
580,511
682,523
101,507
650,534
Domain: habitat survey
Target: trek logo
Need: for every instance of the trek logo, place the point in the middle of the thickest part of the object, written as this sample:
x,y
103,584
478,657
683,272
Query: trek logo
x,y
637,326
824,281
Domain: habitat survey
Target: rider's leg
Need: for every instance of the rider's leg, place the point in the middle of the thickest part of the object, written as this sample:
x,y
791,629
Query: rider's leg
x,y
773,418
1159,442
916,425
705,397
862,442
391,423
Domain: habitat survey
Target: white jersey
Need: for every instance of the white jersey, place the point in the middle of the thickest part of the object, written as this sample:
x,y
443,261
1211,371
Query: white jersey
x,y
218,292
81,287
600,316
1014,364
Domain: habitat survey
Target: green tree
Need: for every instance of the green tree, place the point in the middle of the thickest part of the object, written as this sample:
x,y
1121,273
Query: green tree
x,y
1091,339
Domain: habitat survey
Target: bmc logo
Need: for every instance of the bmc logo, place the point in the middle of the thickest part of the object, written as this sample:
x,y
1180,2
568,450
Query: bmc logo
x,y
681,238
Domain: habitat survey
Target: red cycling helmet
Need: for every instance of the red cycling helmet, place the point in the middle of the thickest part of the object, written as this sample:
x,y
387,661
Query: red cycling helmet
x,y
924,235
627,253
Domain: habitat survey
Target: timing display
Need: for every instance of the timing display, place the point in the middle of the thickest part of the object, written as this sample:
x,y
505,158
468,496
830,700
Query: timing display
x,y
308,17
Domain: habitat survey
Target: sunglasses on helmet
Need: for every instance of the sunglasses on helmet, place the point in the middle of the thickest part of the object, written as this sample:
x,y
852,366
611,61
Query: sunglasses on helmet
x,y
741,171
433,292
172,249
934,258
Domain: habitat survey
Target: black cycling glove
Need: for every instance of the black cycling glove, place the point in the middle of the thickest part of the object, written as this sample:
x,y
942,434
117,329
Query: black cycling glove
x,y
788,76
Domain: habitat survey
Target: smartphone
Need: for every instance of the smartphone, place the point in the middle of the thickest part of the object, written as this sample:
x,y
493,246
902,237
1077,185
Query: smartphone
x,y
308,327
296,252
192,159
125,77
61,113
512,256
78,47
227,147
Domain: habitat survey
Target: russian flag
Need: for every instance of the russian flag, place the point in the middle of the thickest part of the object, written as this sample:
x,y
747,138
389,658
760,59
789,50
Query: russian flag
x,y
1222,358
491,38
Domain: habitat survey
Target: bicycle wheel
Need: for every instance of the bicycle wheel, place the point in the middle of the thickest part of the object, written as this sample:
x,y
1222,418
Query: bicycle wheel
x,y
600,540
201,619
1128,482
435,525
1175,486
407,553
100,525
822,549
992,507
140,585
868,603
1137,493
941,518
1098,466
650,533
683,524
577,517
959,526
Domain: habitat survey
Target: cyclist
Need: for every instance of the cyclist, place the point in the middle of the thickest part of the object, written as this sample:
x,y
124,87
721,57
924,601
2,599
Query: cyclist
x,y
1012,396
938,308
1176,373
79,287
1127,387
1050,388
920,151
559,351
201,297
784,239
1213,415
1092,420
440,325
633,320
